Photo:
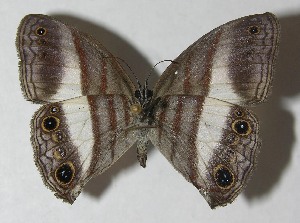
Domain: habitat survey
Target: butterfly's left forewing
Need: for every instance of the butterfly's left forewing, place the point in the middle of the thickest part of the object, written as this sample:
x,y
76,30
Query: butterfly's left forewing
x,y
234,63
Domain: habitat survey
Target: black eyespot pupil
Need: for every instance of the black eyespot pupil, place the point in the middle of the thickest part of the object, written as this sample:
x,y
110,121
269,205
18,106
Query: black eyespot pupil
x,y
50,123
239,113
64,173
54,109
241,127
223,177
253,29
41,31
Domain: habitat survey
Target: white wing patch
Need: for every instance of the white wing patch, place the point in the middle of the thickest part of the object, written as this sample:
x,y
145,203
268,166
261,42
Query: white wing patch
x,y
221,84
79,123
212,121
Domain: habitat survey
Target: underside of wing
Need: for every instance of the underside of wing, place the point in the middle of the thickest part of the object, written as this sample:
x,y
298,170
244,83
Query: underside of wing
x,y
77,139
212,143
234,63
58,62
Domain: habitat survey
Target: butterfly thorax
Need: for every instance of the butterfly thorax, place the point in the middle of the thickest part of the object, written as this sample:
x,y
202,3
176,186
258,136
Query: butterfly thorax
x,y
145,111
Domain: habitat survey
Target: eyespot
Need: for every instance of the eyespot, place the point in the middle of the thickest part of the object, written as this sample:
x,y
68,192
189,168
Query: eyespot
x,y
54,109
58,136
239,113
42,42
50,123
224,177
64,174
241,127
59,153
40,31
254,30
232,139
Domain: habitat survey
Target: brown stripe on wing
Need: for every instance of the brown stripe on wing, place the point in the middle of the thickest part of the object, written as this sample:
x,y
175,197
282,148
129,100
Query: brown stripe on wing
x,y
83,63
178,122
113,124
107,124
206,78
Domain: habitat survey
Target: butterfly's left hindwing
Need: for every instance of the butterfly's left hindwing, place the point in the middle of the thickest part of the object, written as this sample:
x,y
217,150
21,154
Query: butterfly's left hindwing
x,y
73,143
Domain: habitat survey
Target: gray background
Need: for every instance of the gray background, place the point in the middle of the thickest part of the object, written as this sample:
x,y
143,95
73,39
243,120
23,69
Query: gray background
x,y
143,33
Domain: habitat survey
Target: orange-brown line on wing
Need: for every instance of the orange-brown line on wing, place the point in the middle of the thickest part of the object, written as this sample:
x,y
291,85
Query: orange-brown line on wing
x,y
82,62
187,71
103,85
113,124
208,62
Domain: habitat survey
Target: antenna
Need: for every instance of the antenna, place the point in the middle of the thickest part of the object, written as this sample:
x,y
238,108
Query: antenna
x,y
146,81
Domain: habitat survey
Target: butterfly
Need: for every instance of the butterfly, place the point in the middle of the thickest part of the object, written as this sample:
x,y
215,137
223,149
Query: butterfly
x,y
196,114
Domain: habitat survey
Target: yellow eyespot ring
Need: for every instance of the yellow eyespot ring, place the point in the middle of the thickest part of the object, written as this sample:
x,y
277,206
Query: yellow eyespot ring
x,y
40,31
241,127
65,173
254,30
50,123
224,177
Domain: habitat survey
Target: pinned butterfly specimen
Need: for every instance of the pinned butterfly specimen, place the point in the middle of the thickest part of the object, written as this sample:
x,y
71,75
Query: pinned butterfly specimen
x,y
195,115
